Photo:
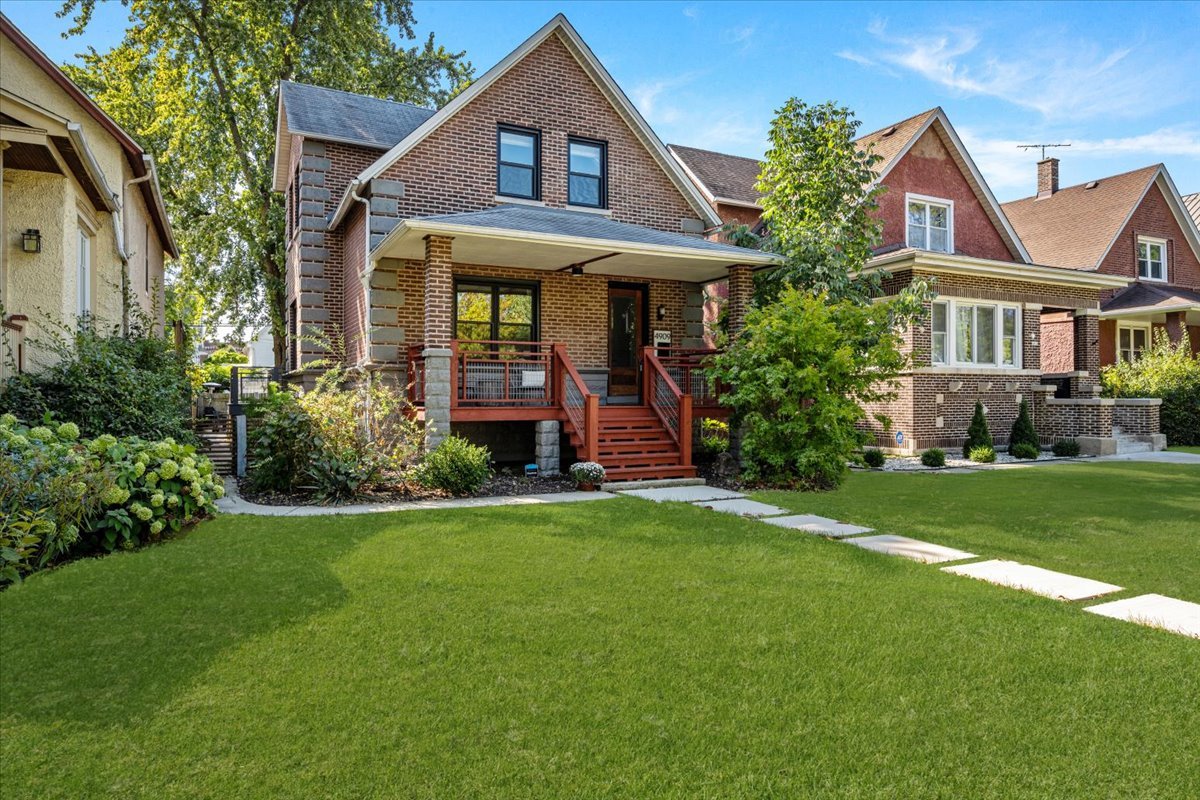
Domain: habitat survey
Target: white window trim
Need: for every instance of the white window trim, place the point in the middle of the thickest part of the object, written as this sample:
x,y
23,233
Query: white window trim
x,y
952,361
909,197
84,271
1132,326
1149,240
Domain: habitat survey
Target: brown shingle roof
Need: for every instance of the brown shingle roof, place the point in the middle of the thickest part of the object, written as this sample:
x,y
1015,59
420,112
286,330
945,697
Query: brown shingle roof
x,y
1192,203
722,176
888,142
1075,226
1145,295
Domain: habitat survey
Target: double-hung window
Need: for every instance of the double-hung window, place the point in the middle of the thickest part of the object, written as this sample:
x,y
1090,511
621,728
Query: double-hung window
x,y
1132,341
1152,258
587,183
518,168
930,223
494,311
84,273
968,334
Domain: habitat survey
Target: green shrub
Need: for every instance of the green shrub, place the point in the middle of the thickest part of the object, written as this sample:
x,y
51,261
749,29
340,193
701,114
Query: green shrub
x,y
873,457
983,454
800,373
1023,431
934,457
455,466
281,442
978,434
218,366
1066,448
1025,450
714,437
133,385
1167,371
62,496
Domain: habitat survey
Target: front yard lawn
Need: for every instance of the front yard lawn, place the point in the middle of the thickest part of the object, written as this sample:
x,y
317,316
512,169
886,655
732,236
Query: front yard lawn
x,y
616,649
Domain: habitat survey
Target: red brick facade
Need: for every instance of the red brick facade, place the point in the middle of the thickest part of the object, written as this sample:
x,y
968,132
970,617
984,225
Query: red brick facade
x,y
1153,218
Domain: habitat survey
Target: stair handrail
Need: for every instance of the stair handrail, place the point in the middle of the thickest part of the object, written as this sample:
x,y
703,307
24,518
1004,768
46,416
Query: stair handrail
x,y
669,402
580,406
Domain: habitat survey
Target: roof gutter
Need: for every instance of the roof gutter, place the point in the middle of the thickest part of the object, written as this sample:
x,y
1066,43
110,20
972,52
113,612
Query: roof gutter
x,y
968,265
1142,311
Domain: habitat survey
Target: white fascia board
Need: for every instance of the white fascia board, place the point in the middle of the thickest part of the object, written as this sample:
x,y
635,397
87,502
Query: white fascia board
x,y
966,265
751,257
1146,311
1186,223
75,134
599,75
283,146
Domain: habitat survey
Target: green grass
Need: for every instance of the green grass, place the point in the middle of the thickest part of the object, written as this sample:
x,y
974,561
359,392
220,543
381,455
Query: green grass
x,y
614,649
1136,524
1183,448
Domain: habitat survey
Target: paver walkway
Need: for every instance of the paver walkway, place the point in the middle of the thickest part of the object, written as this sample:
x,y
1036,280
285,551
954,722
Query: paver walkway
x,y
1166,613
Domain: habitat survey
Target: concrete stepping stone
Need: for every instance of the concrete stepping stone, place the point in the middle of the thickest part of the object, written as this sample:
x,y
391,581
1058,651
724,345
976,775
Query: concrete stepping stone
x,y
1155,610
683,494
925,552
822,526
1047,583
742,507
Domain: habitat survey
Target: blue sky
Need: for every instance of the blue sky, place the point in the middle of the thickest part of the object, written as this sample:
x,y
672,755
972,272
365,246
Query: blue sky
x,y
1116,80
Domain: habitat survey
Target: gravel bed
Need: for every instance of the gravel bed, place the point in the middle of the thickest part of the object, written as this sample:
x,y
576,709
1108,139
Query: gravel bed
x,y
913,463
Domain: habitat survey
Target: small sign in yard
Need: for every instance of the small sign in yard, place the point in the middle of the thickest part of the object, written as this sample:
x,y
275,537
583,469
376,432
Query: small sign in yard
x,y
899,437
531,470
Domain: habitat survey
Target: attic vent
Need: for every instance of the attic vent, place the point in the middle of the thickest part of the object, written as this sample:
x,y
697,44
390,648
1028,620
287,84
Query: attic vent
x,y
1091,184
888,132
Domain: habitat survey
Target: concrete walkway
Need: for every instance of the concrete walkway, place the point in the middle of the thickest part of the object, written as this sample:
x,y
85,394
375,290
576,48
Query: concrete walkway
x,y
233,503
1165,613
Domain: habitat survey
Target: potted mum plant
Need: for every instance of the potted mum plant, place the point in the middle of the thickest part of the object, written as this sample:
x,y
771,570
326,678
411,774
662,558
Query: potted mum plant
x,y
587,475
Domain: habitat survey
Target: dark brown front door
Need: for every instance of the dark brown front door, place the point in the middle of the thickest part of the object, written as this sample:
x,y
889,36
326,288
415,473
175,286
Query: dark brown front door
x,y
626,335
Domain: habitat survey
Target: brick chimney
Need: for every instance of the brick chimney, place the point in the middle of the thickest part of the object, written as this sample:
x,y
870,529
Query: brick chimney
x,y
1047,177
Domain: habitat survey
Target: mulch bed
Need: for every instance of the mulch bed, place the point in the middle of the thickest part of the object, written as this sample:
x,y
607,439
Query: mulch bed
x,y
501,485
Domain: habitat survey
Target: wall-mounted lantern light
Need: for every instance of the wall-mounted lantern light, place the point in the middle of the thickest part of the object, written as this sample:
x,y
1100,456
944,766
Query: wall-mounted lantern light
x,y
31,241
661,312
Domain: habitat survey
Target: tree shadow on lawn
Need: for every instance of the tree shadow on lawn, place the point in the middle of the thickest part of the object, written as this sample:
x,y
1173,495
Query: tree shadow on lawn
x,y
113,639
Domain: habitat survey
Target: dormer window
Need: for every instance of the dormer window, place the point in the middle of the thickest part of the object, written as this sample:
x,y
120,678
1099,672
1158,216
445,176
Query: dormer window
x,y
518,157
586,179
1152,258
930,223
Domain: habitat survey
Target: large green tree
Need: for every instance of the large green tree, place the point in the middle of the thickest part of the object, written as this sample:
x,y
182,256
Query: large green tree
x,y
196,82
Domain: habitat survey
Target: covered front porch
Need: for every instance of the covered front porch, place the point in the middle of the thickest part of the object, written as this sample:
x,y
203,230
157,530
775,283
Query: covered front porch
x,y
590,329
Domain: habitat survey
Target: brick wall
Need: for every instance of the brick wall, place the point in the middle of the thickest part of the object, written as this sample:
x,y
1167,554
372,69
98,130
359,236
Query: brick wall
x,y
929,169
1058,342
1153,217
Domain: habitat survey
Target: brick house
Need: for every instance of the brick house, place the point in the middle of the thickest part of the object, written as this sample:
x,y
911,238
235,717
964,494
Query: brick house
x,y
982,340
1135,225
528,258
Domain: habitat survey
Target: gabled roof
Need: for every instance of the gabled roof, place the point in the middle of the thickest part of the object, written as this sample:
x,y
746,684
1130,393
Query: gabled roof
x,y
139,160
1140,298
558,26
1192,203
336,116
1075,227
893,143
722,178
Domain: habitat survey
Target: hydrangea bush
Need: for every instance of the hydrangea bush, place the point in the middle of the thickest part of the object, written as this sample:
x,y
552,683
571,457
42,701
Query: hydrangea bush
x,y
62,496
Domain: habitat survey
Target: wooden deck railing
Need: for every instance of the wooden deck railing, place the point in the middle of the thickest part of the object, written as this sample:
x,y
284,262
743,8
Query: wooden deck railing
x,y
416,374
507,374
670,403
581,406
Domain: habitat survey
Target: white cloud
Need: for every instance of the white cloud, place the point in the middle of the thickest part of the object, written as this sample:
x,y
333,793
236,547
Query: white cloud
x,y
1008,169
691,12
1061,80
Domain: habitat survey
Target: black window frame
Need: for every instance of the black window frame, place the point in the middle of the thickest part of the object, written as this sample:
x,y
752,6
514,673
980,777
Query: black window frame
x,y
536,183
603,176
496,284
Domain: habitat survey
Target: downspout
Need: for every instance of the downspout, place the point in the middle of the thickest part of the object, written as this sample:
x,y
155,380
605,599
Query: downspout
x,y
365,275
119,233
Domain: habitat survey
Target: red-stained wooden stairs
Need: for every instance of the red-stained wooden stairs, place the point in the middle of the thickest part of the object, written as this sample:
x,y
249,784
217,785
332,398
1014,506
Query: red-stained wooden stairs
x,y
633,444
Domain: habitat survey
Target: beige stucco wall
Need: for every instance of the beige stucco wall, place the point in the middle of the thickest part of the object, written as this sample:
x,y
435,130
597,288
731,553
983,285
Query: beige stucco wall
x,y
43,286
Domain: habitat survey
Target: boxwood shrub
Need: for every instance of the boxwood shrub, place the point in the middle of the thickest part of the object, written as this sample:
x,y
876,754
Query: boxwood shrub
x,y
1065,448
1025,451
873,457
934,457
455,466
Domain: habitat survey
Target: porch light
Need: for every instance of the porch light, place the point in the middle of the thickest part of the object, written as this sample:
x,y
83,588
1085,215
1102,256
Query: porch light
x,y
31,241
576,270
661,312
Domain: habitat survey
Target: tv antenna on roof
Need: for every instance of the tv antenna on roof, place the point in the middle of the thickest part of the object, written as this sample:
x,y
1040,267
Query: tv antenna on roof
x,y
1042,146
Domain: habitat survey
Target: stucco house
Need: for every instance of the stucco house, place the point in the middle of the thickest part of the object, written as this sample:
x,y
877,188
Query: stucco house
x,y
528,257
983,337
1135,225
81,212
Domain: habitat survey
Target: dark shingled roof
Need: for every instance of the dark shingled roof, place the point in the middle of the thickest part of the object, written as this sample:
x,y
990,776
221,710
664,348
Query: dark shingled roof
x,y
724,176
887,142
1144,295
559,222
1192,203
329,113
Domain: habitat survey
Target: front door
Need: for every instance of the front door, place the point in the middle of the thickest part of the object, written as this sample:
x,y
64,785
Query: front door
x,y
626,335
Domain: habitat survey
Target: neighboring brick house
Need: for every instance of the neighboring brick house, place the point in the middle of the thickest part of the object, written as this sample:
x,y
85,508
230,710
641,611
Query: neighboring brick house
x,y
982,340
1135,225
512,255
83,230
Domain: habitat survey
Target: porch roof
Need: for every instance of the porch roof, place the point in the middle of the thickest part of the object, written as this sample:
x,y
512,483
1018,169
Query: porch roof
x,y
1142,298
542,238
